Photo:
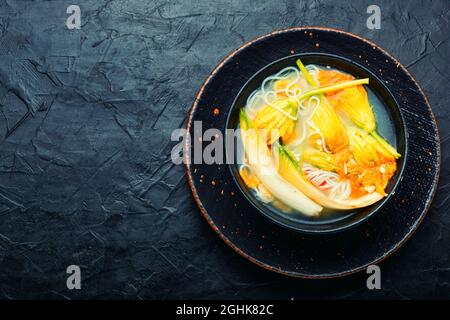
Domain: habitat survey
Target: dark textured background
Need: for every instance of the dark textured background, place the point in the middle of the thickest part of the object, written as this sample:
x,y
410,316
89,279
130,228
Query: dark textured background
x,y
85,124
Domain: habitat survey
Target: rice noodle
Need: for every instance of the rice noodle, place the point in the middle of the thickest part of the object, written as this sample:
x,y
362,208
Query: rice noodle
x,y
322,138
313,71
341,191
266,93
328,181
252,107
320,178
311,111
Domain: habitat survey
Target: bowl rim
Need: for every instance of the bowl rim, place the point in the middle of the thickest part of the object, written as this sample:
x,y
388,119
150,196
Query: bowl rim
x,y
246,255
379,204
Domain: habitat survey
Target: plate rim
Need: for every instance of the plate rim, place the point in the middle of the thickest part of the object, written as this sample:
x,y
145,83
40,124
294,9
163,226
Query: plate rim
x,y
186,159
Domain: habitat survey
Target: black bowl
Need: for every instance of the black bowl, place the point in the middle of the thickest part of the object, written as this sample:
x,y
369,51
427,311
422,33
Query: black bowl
x,y
329,221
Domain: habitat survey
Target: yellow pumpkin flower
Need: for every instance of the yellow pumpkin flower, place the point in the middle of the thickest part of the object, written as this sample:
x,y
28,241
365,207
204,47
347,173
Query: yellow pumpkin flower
x,y
353,101
327,122
275,123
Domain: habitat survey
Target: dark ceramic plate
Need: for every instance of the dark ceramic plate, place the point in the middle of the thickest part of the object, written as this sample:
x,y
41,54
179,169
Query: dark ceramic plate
x,y
320,253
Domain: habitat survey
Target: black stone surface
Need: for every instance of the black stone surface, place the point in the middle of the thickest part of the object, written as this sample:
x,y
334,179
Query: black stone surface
x,y
86,176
